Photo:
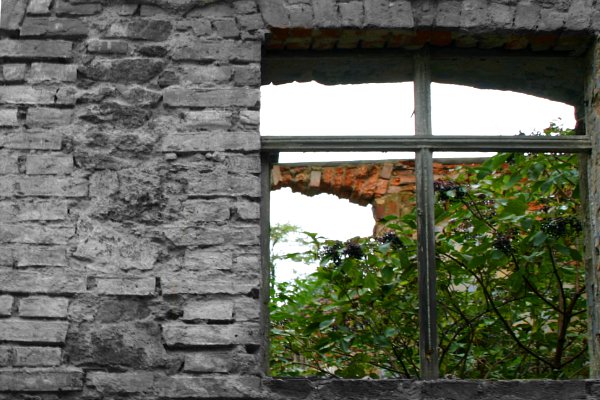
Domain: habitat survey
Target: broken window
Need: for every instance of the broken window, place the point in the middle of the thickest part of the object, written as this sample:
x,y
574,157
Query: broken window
x,y
428,269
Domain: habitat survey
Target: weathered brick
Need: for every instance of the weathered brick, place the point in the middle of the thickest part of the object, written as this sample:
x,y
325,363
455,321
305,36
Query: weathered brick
x,y
40,256
126,286
181,97
245,235
43,186
213,141
250,117
134,345
22,255
37,356
33,331
247,210
6,356
551,20
301,15
187,235
126,70
55,27
140,96
125,382
39,7
8,117
5,305
36,210
41,380
501,15
35,234
35,49
274,13
226,28
247,75
526,15
224,50
14,73
151,11
247,309
39,282
208,119
48,117
153,50
209,361
352,13
247,163
66,96
141,29
12,14
186,386
250,22
43,306
49,164
107,46
206,260
206,210
41,72
27,95
32,141
211,310
203,74
9,164
64,8
223,184
474,14
244,7
194,284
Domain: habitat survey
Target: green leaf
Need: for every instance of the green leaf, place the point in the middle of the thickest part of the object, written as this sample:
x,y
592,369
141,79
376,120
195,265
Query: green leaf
x,y
326,323
539,238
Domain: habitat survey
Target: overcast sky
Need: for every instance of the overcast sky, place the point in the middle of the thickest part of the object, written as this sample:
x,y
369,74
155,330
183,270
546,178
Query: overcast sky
x,y
383,109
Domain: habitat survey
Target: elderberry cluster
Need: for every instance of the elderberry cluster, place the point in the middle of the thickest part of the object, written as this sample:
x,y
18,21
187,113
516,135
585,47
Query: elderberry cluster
x,y
332,252
392,238
444,187
338,250
561,226
502,242
353,250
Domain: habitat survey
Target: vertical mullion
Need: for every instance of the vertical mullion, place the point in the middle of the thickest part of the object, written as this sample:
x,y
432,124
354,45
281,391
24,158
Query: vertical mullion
x,y
428,341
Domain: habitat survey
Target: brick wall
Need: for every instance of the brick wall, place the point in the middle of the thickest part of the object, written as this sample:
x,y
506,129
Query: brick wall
x,y
129,258
130,190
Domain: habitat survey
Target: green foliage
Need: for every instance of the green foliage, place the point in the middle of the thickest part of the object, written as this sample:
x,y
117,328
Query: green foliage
x,y
511,292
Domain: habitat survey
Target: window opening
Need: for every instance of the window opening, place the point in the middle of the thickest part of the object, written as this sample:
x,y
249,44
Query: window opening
x,y
426,144
511,276
314,109
463,110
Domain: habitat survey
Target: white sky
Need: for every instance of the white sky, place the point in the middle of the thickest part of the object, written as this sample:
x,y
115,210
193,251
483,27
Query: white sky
x,y
382,109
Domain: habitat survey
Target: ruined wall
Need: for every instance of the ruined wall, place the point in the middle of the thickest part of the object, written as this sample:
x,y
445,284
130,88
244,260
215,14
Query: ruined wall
x,y
130,190
129,198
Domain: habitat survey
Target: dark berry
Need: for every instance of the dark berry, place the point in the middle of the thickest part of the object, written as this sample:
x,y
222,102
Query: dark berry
x,y
332,252
392,238
502,243
353,250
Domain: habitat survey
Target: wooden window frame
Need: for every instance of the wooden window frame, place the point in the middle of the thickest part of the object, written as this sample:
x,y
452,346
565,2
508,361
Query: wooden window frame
x,y
423,143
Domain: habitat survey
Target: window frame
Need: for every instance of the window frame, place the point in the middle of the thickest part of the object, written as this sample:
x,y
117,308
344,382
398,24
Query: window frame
x,y
423,143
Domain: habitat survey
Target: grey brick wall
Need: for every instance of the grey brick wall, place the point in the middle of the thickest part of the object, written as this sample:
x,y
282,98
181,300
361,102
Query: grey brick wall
x,y
130,191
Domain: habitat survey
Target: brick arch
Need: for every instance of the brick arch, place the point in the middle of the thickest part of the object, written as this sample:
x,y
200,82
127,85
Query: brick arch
x,y
389,186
